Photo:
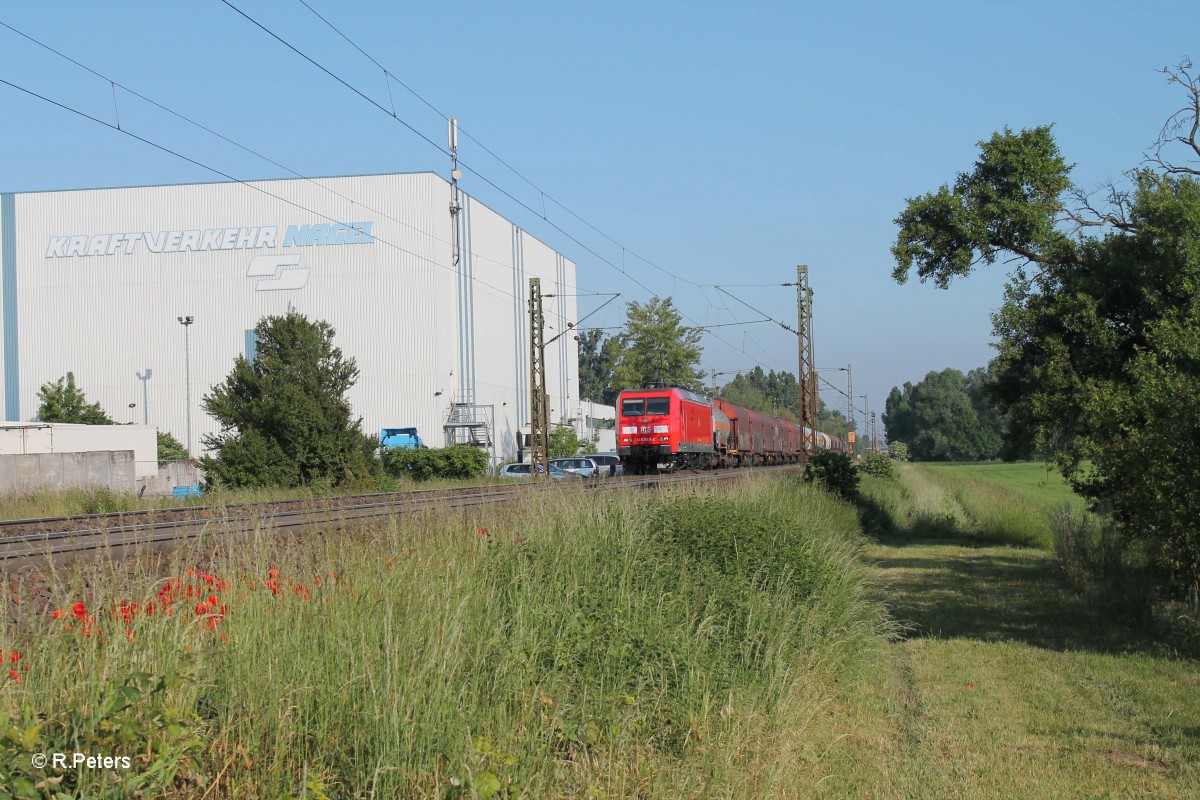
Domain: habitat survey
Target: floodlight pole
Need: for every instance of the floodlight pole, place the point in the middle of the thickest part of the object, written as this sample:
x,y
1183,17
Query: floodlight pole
x,y
186,322
144,377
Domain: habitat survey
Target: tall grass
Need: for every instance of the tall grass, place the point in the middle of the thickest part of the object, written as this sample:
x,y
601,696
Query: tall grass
x,y
678,643
939,504
100,500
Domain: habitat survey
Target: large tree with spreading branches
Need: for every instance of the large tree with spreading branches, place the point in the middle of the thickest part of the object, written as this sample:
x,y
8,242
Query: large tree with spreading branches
x,y
1099,333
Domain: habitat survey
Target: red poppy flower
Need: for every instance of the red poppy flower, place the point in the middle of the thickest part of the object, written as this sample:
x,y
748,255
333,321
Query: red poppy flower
x,y
14,656
14,675
130,635
127,611
150,608
79,610
201,609
58,614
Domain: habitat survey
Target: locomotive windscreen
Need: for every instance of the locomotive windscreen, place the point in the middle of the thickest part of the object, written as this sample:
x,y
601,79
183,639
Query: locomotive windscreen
x,y
633,408
658,405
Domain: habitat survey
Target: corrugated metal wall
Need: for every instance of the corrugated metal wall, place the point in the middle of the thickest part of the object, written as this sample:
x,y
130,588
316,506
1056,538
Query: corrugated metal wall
x,y
398,303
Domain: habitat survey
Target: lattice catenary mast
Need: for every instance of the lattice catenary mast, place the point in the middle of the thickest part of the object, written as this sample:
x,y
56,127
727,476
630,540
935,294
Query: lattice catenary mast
x,y
807,376
539,417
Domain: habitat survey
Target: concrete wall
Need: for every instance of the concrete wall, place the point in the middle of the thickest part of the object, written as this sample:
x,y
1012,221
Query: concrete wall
x,y
60,437
176,473
32,472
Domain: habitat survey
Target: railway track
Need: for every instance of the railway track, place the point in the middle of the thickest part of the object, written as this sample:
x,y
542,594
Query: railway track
x,y
30,542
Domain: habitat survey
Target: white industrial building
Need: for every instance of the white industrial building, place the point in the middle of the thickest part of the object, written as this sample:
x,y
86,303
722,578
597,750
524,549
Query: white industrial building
x,y
431,303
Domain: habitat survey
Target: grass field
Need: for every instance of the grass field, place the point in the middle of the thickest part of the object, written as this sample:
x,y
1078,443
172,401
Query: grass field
x,y
1005,684
680,643
1034,481
717,642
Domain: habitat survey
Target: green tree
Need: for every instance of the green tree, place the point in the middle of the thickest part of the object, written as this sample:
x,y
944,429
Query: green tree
x,y
656,346
565,442
1099,334
170,449
774,393
284,417
597,363
63,401
940,419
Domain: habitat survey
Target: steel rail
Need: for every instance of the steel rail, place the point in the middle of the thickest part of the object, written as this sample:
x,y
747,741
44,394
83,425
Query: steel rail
x,y
32,547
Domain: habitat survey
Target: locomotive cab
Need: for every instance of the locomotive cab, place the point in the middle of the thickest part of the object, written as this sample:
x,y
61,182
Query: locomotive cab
x,y
667,429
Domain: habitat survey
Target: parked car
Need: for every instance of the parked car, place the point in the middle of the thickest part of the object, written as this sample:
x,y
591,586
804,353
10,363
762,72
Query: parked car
x,y
526,471
578,465
610,463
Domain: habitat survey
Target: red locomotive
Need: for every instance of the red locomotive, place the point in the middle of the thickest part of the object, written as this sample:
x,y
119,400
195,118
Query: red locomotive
x,y
672,428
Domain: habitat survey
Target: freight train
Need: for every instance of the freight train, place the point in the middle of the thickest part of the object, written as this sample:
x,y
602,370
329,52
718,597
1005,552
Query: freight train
x,y
670,428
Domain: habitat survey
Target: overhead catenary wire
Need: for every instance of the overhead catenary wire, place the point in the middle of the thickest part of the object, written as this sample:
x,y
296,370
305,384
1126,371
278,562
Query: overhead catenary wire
x,y
429,141
542,192
247,184
842,392
115,84
480,175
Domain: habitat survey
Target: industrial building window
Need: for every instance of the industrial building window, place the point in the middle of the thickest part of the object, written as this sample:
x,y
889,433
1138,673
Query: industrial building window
x,y
251,345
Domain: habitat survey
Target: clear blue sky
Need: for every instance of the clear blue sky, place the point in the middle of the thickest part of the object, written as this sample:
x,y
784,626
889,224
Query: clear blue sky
x,y
724,142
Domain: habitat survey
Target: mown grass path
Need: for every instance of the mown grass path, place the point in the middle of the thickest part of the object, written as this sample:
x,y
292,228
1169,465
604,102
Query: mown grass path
x,y
1005,686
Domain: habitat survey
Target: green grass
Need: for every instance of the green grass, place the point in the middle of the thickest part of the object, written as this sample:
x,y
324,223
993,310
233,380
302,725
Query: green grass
x,y
937,501
1035,481
711,642
1005,684
100,500
576,645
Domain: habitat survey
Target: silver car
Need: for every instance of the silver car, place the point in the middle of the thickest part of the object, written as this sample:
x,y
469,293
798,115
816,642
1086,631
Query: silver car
x,y
526,471
578,465
609,463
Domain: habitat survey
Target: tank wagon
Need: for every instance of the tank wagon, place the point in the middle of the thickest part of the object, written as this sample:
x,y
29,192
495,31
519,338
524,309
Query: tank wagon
x,y
673,428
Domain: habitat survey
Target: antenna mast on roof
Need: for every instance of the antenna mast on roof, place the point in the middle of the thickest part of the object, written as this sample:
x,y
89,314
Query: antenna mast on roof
x,y
455,174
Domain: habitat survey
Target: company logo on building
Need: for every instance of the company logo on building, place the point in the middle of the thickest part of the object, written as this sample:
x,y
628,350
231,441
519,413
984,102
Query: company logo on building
x,y
277,272
200,240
